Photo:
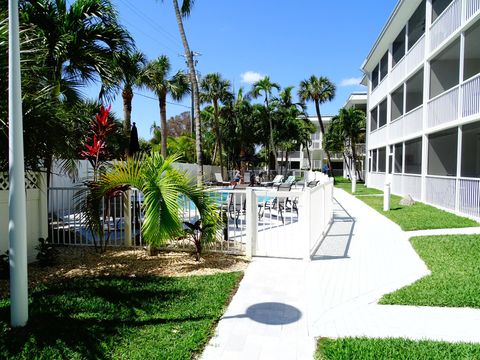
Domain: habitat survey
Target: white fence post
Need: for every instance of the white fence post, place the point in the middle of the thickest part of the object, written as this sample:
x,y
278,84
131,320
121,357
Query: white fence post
x,y
354,184
42,204
127,220
251,223
386,198
305,219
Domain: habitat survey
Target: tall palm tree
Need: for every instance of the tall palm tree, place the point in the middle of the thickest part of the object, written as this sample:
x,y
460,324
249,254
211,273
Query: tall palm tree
x,y
155,77
216,90
130,66
319,90
266,86
81,39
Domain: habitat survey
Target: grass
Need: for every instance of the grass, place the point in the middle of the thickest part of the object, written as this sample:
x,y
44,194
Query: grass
x,y
393,349
419,216
455,278
119,318
361,189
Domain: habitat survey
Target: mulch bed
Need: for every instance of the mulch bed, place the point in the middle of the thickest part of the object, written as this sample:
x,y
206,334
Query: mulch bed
x,y
85,262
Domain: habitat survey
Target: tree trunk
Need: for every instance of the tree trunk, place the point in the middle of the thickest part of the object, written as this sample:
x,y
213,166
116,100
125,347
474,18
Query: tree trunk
x,y
196,103
272,143
354,155
309,159
127,96
348,166
162,102
218,135
322,129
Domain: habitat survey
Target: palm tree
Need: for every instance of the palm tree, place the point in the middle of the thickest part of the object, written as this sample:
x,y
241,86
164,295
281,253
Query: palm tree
x,y
266,86
155,77
81,41
216,90
130,66
319,90
162,187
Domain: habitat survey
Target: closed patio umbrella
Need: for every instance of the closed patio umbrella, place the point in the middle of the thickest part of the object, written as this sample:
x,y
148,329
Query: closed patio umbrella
x,y
133,146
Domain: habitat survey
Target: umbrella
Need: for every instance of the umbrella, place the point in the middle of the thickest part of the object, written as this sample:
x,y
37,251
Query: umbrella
x,y
133,146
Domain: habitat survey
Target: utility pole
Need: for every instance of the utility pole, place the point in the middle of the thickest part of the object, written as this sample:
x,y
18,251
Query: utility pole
x,y
192,112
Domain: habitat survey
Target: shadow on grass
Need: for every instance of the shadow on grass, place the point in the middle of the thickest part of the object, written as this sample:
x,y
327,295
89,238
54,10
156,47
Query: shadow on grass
x,y
84,317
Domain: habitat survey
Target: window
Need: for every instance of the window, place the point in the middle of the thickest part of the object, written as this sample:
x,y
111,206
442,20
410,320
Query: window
x,y
390,160
472,52
374,160
398,158
375,77
442,153
398,48
471,150
416,25
413,156
370,162
414,91
444,69
397,103
384,66
374,119
382,113
438,6
382,159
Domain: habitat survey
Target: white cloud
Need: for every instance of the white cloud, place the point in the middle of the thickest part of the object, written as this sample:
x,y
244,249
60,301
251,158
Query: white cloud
x,y
351,81
250,77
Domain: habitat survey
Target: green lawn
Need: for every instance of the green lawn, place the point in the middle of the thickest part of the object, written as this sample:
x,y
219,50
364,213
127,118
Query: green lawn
x,y
393,349
417,217
119,318
455,279
361,189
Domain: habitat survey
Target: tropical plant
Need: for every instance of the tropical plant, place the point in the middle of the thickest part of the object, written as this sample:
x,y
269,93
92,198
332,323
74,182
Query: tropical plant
x,y
182,147
319,90
216,90
266,87
4,265
155,76
46,253
162,187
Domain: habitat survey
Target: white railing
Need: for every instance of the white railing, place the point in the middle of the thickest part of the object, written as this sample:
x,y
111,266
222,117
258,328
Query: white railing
x,y
443,108
471,8
469,199
412,185
413,121
471,97
449,21
318,212
416,55
376,180
397,73
377,138
441,191
379,92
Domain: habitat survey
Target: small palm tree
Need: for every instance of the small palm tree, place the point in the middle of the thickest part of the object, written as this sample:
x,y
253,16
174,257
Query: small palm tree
x,y
319,90
155,77
266,87
162,187
216,90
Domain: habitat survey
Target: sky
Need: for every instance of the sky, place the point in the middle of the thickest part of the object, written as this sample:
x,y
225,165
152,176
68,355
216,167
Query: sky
x,y
246,40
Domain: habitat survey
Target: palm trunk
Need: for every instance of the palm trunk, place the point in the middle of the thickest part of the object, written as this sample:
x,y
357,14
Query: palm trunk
x,y
309,159
354,155
162,102
322,129
272,143
346,163
196,103
127,96
218,135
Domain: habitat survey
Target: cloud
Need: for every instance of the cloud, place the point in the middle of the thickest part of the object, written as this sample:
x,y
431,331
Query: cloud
x,y
351,81
250,77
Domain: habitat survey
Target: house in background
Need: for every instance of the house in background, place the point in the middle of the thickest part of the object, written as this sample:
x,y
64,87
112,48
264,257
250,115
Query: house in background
x,y
423,128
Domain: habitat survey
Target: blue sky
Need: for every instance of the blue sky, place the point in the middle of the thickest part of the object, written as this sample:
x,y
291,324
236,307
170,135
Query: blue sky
x,y
286,40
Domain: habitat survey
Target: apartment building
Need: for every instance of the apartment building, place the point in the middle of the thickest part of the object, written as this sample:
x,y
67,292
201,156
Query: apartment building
x,y
423,121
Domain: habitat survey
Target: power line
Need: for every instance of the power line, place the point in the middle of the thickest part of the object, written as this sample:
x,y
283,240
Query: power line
x,y
156,99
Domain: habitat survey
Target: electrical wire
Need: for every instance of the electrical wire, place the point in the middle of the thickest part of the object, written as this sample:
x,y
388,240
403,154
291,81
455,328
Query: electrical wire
x,y
156,99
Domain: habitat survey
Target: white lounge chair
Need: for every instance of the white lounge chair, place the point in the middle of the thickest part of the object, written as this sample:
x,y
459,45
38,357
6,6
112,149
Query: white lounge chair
x,y
219,179
275,182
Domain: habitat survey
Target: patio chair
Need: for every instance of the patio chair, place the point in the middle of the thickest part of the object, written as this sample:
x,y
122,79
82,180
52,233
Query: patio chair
x,y
290,180
279,205
312,184
237,204
275,182
219,179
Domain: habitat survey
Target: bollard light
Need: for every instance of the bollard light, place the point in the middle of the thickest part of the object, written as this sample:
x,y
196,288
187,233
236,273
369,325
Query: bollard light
x,y
386,198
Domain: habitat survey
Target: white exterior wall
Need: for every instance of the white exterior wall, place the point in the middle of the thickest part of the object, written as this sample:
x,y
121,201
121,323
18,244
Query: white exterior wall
x,y
453,108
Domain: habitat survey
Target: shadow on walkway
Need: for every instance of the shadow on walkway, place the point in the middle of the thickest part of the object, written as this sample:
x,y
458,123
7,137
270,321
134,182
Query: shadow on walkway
x,y
336,243
270,313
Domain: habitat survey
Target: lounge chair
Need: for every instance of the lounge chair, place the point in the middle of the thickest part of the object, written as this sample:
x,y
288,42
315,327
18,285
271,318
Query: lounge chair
x,y
275,182
219,179
279,204
290,180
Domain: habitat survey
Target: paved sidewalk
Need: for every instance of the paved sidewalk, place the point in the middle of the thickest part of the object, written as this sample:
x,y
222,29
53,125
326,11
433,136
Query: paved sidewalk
x,y
282,305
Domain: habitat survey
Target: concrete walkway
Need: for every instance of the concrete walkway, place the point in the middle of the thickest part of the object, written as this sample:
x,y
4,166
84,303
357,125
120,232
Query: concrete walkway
x,y
282,305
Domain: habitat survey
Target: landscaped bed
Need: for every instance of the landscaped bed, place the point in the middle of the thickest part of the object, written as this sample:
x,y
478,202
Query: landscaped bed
x,y
392,349
455,279
419,216
121,305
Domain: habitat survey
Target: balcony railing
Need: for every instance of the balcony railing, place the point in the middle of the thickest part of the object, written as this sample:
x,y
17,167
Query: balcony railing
x,y
446,24
471,96
398,73
416,54
441,191
469,197
471,8
377,138
443,108
379,92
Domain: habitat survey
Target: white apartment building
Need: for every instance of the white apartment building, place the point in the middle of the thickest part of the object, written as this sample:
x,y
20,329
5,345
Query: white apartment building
x,y
423,121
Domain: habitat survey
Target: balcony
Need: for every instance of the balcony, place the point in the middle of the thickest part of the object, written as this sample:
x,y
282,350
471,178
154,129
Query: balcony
x,y
472,7
416,55
406,125
379,92
443,108
378,138
471,96
446,24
